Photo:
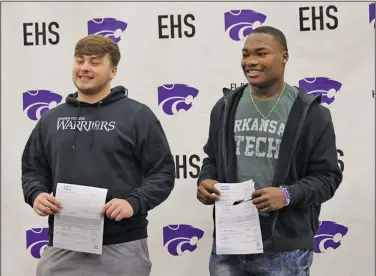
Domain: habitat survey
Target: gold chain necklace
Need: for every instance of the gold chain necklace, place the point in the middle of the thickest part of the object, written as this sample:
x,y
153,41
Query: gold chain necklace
x,y
266,118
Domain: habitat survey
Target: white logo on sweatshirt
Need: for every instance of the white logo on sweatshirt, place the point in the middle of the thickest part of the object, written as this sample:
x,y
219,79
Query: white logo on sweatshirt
x,y
252,143
81,124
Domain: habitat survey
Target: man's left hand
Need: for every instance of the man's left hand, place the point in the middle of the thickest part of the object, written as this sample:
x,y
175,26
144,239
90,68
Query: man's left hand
x,y
269,199
117,209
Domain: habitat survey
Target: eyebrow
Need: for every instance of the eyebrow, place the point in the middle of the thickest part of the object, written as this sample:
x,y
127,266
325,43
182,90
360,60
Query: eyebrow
x,y
257,49
91,58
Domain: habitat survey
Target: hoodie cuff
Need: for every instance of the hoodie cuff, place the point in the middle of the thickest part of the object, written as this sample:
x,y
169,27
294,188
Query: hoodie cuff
x,y
133,201
296,193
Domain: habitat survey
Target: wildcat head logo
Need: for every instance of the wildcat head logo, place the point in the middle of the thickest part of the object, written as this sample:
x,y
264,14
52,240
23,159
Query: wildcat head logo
x,y
372,9
323,86
36,241
241,23
36,102
329,236
174,98
181,237
108,27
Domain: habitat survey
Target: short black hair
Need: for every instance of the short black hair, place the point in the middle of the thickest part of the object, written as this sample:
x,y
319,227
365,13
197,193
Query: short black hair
x,y
274,32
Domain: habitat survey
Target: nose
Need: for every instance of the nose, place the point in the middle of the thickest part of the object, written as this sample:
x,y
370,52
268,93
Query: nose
x,y
251,61
85,66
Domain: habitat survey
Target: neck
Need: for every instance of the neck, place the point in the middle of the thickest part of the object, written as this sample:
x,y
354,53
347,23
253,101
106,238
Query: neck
x,y
269,92
94,98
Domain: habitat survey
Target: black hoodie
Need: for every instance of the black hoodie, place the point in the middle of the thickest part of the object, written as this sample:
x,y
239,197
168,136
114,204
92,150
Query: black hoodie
x,y
117,144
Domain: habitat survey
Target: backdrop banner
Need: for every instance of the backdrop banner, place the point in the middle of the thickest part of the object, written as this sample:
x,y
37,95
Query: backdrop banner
x,y
177,58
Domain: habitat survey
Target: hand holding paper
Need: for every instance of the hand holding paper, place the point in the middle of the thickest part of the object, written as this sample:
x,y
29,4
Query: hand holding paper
x,y
46,204
207,192
237,220
269,199
117,209
79,225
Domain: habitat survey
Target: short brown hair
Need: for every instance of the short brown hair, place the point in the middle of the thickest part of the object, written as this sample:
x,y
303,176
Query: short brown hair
x,y
98,45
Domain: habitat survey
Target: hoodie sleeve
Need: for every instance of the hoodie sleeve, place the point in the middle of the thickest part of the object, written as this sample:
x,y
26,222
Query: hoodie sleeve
x,y
36,173
157,162
209,164
323,172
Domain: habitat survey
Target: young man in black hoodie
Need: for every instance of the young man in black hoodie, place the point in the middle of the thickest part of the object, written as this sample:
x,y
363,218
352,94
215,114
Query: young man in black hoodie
x,y
99,138
283,139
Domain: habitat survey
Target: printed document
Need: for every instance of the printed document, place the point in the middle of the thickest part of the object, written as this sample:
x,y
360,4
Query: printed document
x,y
79,226
237,221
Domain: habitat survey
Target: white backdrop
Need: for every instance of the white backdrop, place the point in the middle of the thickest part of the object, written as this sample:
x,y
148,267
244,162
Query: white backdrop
x,y
208,61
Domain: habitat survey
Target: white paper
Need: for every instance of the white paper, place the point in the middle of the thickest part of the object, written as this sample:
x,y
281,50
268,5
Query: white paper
x,y
238,228
79,226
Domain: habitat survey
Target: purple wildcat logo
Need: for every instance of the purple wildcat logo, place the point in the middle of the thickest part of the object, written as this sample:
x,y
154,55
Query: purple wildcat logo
x,y
36,241
241,23
36,102
181,237
323,86
176,97
329,236
108,27
372,9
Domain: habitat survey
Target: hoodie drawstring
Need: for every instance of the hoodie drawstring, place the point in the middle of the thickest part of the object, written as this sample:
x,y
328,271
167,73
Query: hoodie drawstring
x,y
75,128
117,93
93,130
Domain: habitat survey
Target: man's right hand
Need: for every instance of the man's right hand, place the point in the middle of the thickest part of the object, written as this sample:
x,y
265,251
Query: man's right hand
x,y
46,204
207,193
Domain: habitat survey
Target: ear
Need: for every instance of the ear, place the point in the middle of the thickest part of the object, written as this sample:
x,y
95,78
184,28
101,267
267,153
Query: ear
x,y
285,56
113,72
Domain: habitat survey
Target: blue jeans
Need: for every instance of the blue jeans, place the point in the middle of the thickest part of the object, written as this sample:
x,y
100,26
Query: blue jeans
x,y
290,263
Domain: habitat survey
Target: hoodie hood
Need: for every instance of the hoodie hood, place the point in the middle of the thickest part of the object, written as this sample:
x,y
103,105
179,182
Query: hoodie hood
x,y
117,93
227,92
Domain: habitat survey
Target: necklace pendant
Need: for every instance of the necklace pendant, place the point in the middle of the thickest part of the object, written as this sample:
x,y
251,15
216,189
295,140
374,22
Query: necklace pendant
x,y
264,124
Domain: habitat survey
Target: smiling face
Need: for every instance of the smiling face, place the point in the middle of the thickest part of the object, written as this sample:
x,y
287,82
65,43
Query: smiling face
x,y
263,60
91,73
95,64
